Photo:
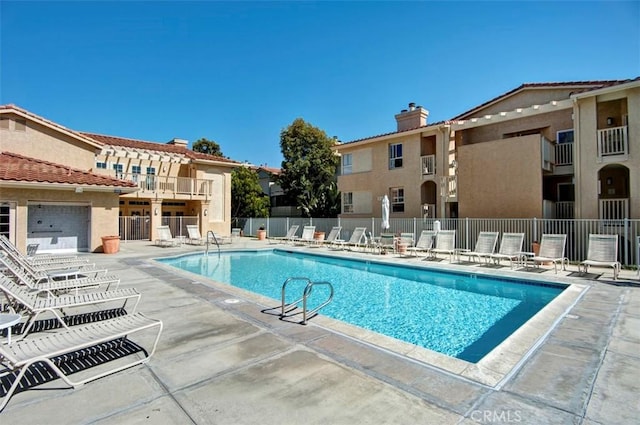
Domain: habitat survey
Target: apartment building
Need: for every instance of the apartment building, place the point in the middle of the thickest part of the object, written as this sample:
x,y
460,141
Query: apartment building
x,y
64,189
546,150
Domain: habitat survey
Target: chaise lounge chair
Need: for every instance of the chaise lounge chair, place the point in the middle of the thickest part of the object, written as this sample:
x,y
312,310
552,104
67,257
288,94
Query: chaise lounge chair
x,y
485,246
602,252
333,235
31,305
445,244
165,238
551,251
194,238
290,236
307,235
40,259
510,248
356,240
424,244
19,356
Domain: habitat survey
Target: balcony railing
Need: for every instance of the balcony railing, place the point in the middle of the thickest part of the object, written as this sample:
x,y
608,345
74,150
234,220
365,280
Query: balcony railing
x,y
428,210
564,154
613,141
170,186
428,165
614,209
565,209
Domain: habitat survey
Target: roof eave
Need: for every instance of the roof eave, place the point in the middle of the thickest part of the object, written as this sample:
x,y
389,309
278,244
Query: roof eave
x,y
15,184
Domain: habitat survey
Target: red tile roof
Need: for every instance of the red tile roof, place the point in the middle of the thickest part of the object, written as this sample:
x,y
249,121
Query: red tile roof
x,y
18,168
153,146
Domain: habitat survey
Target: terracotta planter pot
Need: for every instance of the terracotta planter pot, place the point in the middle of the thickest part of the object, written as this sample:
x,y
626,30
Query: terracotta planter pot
x,y
262,235
319,236
110,244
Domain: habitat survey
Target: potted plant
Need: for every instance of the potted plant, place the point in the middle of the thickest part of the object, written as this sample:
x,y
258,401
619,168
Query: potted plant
x,y
262,233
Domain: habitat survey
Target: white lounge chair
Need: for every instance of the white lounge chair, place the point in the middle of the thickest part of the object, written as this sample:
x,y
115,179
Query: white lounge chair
x,y
332,236
602,252
165,238
445,244
307,235
387,243
194,238
235,232
357,239
55,286
424,244
19,356
31,305
38,259
485,246
54,271
510,248
551,251
291,235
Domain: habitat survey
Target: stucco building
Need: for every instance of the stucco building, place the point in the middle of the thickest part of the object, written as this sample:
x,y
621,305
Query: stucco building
x,y
64,189
546,150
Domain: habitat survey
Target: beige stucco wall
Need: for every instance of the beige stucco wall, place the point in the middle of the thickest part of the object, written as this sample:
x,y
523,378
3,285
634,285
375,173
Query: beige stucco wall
x,y
587,163
501,178
41,142
103,205
371,177
523,99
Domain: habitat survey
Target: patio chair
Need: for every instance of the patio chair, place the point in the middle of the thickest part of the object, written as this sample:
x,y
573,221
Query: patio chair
x,y
510,248
485,246
404,242
307,235
445,244
551,251
34,258
387,242
424,244
602,252
165,238
235,232
332,236
218,237
194,237
54,271
291,234
18,357
357,239
55,286
31,305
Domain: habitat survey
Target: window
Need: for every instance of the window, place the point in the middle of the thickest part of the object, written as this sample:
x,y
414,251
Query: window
x,y
566,192
347,202
564,136
135,173
151,180
118,169
347,163
5,219
101,165
397,199
395,156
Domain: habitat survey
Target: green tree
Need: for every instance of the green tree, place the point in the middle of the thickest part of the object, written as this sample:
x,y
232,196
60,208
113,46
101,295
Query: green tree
x,y
247,198
207,146
308,173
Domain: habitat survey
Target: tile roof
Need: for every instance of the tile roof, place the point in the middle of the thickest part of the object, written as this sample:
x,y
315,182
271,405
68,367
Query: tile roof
x,y
14,167
581,86
153,146
433,124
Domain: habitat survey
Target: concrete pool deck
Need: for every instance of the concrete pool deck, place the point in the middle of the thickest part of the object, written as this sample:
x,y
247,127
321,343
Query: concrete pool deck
x,y
221,360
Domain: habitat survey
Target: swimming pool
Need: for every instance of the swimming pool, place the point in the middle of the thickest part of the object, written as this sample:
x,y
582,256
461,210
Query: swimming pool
x,y
461,315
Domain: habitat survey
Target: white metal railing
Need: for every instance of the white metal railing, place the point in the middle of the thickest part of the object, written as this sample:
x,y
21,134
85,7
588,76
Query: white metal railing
x,y
168,186
565,209
564,154
428,210
467,230
548,154
449,187
613,141
614,209
428,165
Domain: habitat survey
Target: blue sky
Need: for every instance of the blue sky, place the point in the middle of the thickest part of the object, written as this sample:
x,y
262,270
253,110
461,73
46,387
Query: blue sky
x,y
240,72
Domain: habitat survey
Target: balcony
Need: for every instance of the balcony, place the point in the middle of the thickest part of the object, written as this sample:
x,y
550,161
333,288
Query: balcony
x,y
613,142
614,209
170,187
428,165
565,210
449,188
564,154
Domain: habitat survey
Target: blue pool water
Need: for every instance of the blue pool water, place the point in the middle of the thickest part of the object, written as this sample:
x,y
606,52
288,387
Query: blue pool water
x,y
460,315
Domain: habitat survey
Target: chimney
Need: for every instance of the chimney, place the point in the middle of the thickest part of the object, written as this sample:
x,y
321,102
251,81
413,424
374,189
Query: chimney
x,y
178,142
414,117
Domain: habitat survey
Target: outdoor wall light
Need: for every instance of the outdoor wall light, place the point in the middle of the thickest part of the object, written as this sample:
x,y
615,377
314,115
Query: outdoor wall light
x,y
155,211
206,212
609,120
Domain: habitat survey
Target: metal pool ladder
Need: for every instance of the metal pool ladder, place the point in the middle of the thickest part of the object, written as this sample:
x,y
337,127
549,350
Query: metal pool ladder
x,y
213,236
287,309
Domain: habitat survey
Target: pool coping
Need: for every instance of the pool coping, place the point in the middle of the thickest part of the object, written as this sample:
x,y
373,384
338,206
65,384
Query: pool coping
x,y
494,370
